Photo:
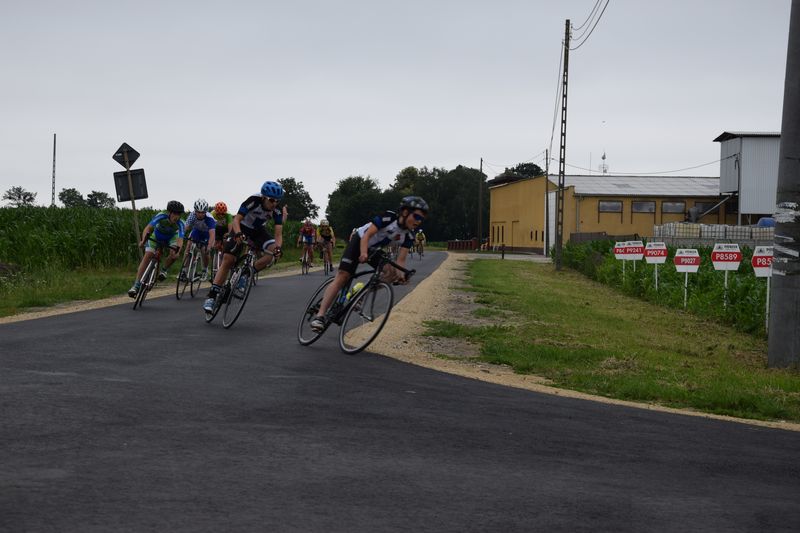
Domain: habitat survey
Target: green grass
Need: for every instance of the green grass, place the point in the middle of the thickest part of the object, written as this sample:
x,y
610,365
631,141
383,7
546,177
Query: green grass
x,y
588,337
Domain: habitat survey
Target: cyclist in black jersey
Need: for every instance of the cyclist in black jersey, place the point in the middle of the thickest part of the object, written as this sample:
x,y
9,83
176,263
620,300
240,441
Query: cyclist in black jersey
x,y
249,223
380,231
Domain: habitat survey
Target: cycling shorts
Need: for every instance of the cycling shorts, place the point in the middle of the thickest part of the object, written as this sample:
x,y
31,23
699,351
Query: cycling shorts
x,y
152,244
260,237
352,251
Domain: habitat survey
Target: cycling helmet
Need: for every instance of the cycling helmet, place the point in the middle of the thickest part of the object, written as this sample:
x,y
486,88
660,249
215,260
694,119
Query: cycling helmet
x,y
414,202
220,208
201,205
323,222
272,189
174,206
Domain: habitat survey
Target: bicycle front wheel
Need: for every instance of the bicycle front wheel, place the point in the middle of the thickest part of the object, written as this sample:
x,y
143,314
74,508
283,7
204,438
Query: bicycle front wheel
x,y
305,335
366,315
148,280
237,296
183,280
193,275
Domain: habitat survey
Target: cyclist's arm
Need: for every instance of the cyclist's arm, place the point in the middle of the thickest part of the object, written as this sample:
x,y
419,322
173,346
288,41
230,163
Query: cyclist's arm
x,y
371,230
148,229
278,235
236,224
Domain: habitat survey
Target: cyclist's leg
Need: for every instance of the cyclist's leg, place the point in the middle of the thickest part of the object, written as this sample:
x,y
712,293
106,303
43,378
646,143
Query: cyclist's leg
x,y
347,267
265,242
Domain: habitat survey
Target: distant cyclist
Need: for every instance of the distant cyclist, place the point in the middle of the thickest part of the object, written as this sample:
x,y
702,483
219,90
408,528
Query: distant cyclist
x,y
223,221
165,230
327,239
420,241
306,236
201,229
388,228
250,222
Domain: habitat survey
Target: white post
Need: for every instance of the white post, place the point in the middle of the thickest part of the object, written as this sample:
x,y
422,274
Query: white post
x,y
656,265
685,289
634,265
725,294
623,270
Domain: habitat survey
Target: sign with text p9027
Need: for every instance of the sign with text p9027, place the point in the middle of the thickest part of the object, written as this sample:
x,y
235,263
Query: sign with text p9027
x,y
687,260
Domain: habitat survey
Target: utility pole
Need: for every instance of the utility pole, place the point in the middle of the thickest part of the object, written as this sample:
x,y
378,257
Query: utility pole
x,y
53,195
562,153
784,313
546,202
480,207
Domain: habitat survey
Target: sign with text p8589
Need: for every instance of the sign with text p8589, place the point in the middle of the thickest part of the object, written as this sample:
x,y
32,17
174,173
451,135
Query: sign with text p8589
x,y
726,256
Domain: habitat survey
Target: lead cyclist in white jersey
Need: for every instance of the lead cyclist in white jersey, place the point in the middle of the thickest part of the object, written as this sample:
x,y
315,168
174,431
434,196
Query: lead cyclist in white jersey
x,y
382,230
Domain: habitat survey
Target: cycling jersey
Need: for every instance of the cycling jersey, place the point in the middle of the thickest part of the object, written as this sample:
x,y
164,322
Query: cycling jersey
x,y
325,233
199,228
223,221
389,230
420,237
164,230
255,216
307,233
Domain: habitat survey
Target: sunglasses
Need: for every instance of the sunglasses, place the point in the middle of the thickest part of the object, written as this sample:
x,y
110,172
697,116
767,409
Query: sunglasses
x,y
273,200
418,217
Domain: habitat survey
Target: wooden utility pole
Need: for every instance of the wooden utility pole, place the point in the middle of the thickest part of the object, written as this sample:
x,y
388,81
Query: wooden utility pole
x,y
562,153
53,195
784,315
546,202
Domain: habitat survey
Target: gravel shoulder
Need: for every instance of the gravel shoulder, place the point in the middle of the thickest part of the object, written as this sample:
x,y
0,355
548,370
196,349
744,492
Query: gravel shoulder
x,y
437,297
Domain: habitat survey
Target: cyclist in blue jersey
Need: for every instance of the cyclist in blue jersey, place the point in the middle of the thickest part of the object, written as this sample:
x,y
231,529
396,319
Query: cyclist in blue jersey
x,y
382,230
165,230
249,223
200,228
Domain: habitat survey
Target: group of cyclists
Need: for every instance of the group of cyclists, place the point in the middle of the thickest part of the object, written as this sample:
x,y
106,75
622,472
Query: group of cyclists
x,y
229,234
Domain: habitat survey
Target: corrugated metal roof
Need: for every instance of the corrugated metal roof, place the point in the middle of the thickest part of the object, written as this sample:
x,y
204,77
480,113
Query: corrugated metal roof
x,y
727,135
610,185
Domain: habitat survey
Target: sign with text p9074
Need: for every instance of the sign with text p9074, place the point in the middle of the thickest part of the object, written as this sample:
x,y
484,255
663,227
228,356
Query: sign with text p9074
x,y
655,253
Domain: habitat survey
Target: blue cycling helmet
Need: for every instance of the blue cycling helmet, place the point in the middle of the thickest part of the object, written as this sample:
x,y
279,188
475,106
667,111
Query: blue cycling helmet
x,y
272,189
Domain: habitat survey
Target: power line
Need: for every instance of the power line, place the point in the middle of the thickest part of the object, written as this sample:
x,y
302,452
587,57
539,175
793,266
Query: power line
x,y
652,173
558,95
593,27
591,14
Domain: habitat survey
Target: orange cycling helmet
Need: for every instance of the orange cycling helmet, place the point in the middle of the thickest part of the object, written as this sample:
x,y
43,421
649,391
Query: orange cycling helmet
x,y
220,208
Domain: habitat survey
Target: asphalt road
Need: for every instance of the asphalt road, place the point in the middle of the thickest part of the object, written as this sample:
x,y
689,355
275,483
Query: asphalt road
x,y
122,420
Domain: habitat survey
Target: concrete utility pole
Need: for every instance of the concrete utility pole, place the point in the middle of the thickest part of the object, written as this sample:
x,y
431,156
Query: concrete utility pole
x,y
784,316
480,207
562,159
546,202
53,195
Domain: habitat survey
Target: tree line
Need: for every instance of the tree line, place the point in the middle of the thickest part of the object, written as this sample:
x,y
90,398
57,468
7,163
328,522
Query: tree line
x,y
455,197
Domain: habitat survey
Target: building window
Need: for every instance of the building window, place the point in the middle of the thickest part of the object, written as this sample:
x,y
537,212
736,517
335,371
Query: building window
x,y
643,207
610,206
673,207
705,206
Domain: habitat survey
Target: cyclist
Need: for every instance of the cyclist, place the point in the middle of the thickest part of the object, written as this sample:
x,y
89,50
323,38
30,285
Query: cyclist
x,y
250,221
200,228
165,230
223,221
420,241
327,238
306,236
382,230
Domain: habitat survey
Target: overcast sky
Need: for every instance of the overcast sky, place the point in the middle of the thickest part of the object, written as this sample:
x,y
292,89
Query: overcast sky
x,y
220,96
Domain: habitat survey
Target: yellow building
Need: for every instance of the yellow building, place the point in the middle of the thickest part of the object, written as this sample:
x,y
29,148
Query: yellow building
x,y
615,205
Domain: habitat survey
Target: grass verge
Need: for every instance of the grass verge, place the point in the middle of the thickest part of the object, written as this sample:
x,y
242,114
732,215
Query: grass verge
x,y
584,336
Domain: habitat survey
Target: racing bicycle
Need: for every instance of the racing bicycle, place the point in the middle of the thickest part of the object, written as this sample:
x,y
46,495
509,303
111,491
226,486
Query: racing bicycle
x,y
189,275
235,291
149,277
361,308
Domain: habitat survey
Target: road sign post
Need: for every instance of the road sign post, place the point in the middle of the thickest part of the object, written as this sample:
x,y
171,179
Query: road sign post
x,y
127,156
634,250
762,267
620,254
726,257
655,253
686,260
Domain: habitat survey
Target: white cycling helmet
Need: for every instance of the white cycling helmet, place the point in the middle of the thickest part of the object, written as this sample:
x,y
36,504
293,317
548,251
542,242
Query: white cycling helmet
x,y
323,222
201,205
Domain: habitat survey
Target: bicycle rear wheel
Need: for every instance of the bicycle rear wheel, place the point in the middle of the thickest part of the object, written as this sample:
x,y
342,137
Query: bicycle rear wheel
x,y
305,335
148,280
194,277
304,264
366,315
237,296
183,279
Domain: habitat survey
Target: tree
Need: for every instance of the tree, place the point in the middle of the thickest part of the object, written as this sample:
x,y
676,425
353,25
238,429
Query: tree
x,y
354,201
71,198
99,200
530,170
297,199
19,197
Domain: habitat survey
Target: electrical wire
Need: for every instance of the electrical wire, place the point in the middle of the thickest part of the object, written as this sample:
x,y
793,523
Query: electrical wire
x,y
651,173
593,27
591,15
529,160
558,94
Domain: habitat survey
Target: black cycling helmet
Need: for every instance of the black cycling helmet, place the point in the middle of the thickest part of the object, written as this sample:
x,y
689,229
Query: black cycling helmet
x,y
414,202
174,206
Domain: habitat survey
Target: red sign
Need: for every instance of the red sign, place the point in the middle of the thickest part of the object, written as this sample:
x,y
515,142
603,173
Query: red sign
x,y
726,256
687,260
619,250
762,261
634,250
655,253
